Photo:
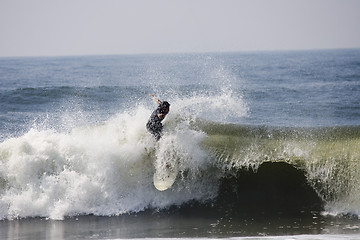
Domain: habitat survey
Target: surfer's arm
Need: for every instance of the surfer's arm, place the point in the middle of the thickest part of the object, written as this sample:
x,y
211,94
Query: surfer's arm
x,y
155,99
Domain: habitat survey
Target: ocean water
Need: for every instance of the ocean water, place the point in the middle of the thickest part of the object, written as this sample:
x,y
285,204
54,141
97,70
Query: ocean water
x,y
267,144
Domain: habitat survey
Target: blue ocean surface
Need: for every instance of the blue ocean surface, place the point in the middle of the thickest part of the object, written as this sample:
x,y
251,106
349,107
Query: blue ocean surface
x,y
73,142
306,88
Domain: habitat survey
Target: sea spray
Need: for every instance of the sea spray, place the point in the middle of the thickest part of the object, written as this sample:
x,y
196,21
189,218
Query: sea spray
x,y
93,170
104,169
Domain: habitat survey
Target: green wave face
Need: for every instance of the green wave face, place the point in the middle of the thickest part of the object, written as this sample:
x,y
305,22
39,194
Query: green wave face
x,y
329,156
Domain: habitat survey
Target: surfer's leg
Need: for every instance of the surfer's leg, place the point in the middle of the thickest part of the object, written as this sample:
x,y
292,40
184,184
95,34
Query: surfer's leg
x,y
157,135
155,132
155,129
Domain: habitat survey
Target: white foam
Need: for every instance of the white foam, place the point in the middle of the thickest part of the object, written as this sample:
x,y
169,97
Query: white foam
x,y
105,169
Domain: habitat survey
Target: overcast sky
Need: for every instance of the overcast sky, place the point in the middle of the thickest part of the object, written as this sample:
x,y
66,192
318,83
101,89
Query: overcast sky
x,y
86,27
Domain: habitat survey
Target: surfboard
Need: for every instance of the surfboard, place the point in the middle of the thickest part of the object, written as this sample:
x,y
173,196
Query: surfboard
x,y
165,178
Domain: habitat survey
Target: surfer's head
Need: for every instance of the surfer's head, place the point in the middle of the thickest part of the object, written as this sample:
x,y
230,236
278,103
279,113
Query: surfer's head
x,y
165,107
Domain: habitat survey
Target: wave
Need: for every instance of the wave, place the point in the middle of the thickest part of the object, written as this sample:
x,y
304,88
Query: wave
x,y
328,156
107,169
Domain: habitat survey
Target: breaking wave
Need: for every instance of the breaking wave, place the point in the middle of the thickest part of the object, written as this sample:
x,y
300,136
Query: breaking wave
x,y
107,169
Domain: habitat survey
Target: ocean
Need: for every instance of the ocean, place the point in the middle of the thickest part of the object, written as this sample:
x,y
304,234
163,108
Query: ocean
x,y
267,146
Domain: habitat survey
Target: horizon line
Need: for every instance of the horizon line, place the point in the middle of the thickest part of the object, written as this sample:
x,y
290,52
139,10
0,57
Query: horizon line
x,y
180,52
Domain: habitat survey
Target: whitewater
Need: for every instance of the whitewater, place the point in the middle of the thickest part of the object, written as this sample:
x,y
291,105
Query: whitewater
x,y
107,169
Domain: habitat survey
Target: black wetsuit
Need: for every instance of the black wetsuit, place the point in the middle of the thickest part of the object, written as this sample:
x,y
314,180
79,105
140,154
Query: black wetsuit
x,y
154,124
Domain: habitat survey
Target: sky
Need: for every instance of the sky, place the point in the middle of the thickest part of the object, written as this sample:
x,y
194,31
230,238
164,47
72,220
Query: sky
x,y
93,27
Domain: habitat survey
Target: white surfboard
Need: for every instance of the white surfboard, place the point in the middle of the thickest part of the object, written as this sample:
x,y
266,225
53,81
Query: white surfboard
x,y
165,178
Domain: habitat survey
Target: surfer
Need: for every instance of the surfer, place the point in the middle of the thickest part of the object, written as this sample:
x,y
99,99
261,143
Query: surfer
x,y
154,125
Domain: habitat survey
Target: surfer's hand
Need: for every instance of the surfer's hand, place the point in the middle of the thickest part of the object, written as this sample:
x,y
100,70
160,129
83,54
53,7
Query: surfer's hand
x,y
155,99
